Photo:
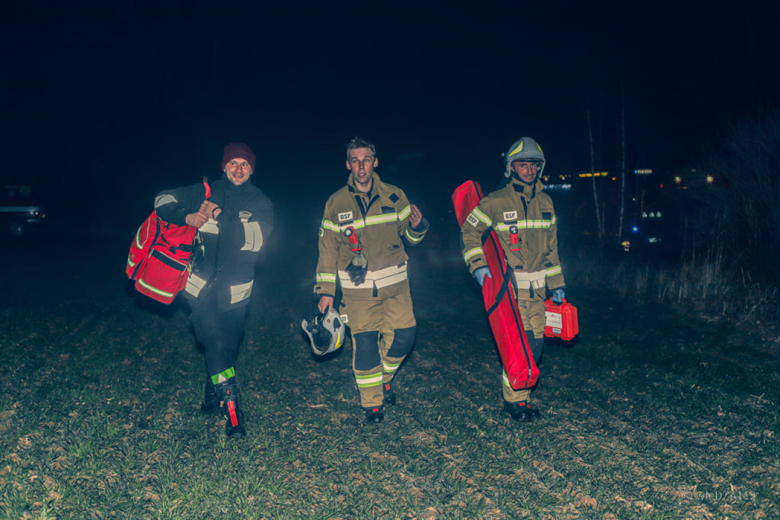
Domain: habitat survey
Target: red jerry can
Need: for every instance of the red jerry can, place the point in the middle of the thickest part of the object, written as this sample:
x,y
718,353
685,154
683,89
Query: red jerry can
x,y
561,320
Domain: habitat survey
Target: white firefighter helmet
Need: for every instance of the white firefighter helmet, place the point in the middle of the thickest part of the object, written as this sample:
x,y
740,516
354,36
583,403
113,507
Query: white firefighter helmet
x,y
325,331
526,149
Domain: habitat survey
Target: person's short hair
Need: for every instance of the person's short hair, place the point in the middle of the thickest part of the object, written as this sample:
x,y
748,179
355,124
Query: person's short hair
x,y
359,142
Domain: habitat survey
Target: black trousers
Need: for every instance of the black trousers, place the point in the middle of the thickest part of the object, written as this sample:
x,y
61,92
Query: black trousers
x,y
219,332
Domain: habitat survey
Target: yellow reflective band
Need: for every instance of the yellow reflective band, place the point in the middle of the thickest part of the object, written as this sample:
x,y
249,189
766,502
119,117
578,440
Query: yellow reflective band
x,y
527,224
518,149
327,224
471,253
554,270
130,262
138,239
390,367
405,212
481,216
382,219
326,277
154,289
505,378
369,380
411,238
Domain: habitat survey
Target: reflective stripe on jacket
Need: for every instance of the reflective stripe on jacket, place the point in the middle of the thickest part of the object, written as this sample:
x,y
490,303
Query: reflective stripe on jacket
x,y
380,221
232,241
527,212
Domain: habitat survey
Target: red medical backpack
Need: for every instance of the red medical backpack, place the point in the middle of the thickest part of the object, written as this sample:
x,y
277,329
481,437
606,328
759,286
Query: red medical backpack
x,y
160,256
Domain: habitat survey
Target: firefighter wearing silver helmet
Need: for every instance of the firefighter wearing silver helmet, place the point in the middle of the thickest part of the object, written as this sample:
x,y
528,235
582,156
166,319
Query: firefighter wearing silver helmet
x,y
524,218
525,149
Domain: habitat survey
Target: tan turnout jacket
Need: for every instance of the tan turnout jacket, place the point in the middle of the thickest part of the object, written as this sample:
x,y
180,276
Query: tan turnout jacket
x,y
380,220
528,211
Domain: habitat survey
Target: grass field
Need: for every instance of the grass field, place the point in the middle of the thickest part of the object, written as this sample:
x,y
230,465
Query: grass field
x,y
653,412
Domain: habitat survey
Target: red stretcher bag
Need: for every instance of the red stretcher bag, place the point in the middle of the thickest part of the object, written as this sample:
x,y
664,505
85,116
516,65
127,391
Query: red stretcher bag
x,y
160,256
561,320
499,298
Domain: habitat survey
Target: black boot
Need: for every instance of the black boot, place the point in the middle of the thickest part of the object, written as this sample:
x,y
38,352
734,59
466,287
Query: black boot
x,y
521,411
375,415
229,396
389,398
210,404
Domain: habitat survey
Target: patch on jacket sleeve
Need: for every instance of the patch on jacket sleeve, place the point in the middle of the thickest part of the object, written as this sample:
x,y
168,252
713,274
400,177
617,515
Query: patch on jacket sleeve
x,y
394,197
471,219
343,217
510,215
546,215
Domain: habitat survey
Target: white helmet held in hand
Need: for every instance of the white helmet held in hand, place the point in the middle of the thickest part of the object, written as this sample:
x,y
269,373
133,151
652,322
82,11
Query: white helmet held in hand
x,y
325,331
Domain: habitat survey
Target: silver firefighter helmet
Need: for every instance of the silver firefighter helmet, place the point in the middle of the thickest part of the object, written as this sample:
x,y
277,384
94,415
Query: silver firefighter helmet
x,y
325,331
525,149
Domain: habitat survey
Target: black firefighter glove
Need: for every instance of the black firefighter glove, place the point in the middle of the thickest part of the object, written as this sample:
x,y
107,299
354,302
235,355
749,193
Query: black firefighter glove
x,y
357,269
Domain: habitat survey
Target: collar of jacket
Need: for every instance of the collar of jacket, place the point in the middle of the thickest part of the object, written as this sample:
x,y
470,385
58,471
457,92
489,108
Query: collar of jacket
x,y
229,186
529,190
375,182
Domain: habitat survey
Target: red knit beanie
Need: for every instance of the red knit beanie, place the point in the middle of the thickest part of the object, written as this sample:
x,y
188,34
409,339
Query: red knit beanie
x,y
238,150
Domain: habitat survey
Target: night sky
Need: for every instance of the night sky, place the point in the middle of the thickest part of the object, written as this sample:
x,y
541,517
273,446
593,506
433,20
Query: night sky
x,y
127,98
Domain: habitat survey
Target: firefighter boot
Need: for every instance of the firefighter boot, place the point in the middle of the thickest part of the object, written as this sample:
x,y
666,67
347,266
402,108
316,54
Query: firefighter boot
x,y
375,414
210,404
229,396
521,411
389,394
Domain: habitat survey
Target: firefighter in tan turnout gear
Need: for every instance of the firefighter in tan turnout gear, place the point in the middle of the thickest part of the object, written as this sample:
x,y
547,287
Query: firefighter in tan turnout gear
x,y
365,228
524,219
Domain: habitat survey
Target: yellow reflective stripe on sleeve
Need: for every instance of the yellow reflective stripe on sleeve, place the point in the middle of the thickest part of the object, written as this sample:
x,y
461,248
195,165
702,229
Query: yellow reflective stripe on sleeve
x,y
413,239
554,270
327,224
326,277
405,212
481,216
471,253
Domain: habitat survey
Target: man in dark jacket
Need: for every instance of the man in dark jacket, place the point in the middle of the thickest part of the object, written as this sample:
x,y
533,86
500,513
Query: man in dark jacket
x,y
234,222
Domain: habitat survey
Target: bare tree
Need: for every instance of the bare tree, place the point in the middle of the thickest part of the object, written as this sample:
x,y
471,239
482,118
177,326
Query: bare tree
x,y
736,203
623,164
599,221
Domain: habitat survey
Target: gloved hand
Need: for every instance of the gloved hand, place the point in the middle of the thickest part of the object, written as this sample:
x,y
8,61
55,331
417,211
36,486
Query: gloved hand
x,y
357,269
557,296
480,274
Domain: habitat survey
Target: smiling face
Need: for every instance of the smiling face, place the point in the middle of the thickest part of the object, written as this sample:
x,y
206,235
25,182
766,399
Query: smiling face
x,y
526,170
238,171
362,163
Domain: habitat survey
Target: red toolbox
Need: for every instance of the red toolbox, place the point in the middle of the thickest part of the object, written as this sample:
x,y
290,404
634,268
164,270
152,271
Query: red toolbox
x,y
561,320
